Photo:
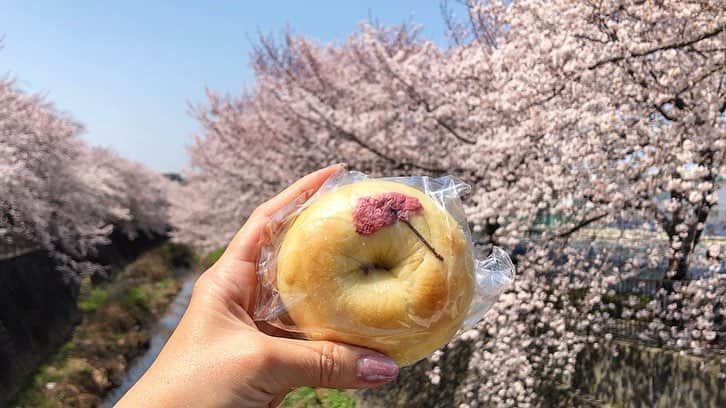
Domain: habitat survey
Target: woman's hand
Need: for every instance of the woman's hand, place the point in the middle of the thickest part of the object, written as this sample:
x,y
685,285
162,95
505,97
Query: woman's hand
x,y
217,357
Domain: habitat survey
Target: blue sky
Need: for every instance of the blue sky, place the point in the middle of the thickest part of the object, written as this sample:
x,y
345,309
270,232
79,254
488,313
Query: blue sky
x,y
128,70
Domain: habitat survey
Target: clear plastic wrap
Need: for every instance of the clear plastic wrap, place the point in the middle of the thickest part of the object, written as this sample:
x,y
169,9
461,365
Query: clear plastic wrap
x,y
384,263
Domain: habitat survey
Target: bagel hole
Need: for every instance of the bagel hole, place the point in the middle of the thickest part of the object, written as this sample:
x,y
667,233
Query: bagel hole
x,y
375,267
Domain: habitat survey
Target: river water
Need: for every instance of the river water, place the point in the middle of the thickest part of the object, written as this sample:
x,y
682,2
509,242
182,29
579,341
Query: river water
x,y
160,332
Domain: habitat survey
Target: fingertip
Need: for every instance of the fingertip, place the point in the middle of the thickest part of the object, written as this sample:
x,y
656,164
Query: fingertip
x,y
344,365
376,368
331,170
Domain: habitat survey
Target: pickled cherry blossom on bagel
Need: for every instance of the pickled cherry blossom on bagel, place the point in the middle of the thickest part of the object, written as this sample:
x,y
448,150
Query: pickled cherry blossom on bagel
x,y
371,214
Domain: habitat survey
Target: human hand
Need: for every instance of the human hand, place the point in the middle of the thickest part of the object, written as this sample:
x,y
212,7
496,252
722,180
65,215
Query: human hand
x,y
217,356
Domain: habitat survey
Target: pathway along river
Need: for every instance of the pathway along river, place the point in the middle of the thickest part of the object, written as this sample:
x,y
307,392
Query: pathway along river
x,y
160,332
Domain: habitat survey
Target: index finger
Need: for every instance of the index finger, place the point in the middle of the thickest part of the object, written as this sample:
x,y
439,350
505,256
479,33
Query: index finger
x,y
244,246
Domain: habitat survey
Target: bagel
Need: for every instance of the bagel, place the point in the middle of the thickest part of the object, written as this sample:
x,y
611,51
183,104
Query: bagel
x,y
401,287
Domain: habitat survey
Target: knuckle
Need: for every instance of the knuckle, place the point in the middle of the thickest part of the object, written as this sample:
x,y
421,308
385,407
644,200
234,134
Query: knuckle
x,y
201,286
259,212
329,363
257,357
266,357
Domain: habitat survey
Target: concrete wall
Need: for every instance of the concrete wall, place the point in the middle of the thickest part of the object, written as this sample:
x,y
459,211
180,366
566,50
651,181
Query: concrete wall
x,y
640,376
37,313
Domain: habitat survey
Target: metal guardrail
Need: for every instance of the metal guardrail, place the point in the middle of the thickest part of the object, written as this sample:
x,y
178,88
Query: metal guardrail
x,y
640,286
632,330
8,251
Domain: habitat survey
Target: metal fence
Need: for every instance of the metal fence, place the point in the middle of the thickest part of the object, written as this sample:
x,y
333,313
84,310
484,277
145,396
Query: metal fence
x,y
15,249
628,329
631,329
648,287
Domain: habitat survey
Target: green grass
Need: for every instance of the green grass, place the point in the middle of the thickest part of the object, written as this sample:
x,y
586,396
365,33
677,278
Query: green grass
x,y
307,397
177,255
32,395
136,297
301,398
63,352
216,254
164,283
35,398
210,258
337,399
95,298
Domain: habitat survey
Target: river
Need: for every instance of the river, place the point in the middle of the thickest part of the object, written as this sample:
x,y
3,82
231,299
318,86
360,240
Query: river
x,y
159,332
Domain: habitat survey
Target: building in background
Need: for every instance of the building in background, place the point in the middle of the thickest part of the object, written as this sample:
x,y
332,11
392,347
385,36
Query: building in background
x,y
716,222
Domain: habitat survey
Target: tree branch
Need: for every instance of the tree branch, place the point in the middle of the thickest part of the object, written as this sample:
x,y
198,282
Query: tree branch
x,y
581,225
660,110
719,29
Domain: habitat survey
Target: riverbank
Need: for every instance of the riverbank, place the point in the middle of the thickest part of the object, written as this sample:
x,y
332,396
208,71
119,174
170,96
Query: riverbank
x,y
307,397
159,333
114,330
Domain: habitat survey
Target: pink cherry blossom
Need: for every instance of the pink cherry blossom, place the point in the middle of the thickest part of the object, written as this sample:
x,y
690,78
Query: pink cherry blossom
x,y
373,213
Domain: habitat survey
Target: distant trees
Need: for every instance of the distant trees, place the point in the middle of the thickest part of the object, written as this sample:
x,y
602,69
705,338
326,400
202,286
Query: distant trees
x,y
587,113
62,195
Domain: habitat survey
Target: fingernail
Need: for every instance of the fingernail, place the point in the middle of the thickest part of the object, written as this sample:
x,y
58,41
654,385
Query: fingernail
x,y
377,368
343,166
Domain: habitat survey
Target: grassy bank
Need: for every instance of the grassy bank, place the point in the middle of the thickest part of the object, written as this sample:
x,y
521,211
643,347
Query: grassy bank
x,y
116,317
307,397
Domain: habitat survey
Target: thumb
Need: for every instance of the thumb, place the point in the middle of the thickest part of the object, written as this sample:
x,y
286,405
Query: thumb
x,y
331,365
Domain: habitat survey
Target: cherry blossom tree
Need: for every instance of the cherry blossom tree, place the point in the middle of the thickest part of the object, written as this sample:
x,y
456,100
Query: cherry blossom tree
x,y
44,200
630,140
595,87
632,99
58,194
135,197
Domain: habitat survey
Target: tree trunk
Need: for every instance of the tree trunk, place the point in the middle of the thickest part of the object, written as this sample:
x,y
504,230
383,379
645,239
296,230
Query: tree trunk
x,y
678,265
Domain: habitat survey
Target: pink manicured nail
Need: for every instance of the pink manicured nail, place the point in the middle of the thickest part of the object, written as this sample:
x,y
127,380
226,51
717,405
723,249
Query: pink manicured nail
x,y
377,368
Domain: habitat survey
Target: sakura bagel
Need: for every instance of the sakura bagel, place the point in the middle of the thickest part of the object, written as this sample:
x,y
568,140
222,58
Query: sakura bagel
x,y
377,264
